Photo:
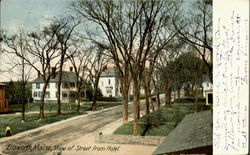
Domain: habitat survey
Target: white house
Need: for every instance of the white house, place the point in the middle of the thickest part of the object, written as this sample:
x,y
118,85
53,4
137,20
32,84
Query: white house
x,y
68,88
206,86
110,85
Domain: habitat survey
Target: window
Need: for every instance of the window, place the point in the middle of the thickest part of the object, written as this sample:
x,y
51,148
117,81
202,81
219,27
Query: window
x,y
72,95
47,95
65,85
39,94
109,91
109,81
35,94
37,85
48,85
64,95
72,85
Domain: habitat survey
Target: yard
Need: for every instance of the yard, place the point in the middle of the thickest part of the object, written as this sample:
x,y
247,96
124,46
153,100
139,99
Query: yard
x,y
68,111
162,121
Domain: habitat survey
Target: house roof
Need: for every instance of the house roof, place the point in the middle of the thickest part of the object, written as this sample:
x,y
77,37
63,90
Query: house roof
x,y
110,72
194,131
66,77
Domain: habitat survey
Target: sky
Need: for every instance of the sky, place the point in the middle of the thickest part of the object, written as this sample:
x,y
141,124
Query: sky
x,y
28,15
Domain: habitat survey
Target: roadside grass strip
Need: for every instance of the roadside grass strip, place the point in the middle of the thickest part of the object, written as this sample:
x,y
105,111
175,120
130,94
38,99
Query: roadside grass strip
x,y
160,122
32,116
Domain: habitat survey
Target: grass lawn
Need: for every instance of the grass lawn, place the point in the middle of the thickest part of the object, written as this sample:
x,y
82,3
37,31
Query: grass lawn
x,y
68,111
14,121
162,121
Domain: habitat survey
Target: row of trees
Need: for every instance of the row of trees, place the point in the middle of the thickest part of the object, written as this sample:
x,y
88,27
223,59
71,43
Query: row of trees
x,y
141,38
136,32
51,47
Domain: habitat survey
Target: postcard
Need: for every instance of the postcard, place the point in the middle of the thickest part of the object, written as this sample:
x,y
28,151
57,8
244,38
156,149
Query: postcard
x,y
121,77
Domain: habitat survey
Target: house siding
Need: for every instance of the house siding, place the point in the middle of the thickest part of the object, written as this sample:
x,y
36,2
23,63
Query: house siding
x,y
52,90
206,86
116,86
105,86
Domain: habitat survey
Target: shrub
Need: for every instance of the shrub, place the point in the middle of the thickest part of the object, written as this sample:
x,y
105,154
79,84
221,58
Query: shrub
x,y
189,100
108,99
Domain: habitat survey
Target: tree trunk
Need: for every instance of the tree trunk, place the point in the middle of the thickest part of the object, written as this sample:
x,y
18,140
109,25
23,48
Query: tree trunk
x,y
178,93
93,106
41,116
187,90
136,106
158,94
125,108
23,92
147,96
59,95
174,95
196,95
158,99
167,96
150,100
125,92
78,97
23,101
59,86
192,90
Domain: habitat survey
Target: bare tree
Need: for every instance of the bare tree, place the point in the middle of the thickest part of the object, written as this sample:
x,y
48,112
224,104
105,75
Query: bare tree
x,y
156,85
166,57
97,65
16,44
196,30
122,67
43,46
40,47
131,29
63,35
79,57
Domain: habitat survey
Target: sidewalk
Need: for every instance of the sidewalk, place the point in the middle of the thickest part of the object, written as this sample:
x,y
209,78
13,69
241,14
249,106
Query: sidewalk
x,y
88,143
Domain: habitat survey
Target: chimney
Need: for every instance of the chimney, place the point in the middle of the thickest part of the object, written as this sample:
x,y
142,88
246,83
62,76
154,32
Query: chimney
x,y
71,69
53,72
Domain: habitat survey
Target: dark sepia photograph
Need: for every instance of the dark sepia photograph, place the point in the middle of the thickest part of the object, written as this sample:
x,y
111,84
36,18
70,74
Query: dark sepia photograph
x,y
106,77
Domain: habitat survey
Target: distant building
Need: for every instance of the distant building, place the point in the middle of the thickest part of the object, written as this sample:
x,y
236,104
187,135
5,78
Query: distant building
x,y
3,100
110,84
206,86
68,88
